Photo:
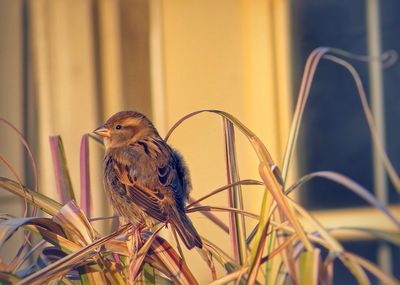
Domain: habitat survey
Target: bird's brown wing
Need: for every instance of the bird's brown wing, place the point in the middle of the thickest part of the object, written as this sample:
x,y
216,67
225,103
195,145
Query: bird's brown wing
x,y
149,200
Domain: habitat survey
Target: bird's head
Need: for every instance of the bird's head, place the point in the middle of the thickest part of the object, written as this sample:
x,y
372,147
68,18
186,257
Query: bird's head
x,y
124,128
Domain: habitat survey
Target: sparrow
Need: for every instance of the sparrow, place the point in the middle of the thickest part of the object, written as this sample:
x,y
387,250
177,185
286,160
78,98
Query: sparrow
x,y
146,180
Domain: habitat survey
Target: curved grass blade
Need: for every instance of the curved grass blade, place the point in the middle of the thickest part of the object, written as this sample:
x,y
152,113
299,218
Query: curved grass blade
x,y
223,188
258,146
9,227
354,187
61,173
385,278
388,236
282,200
38,200
393,176
268,170
79,230
223,209
308,75
28,149
16,176
82,256
209,215
221,256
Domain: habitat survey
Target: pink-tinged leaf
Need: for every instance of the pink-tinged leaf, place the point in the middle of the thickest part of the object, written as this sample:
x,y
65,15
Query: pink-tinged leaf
x,y
75,224
86,204
61,173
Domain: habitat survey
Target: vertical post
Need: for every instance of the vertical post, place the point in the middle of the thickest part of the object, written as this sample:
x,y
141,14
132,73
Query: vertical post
x,y
377,105
157,65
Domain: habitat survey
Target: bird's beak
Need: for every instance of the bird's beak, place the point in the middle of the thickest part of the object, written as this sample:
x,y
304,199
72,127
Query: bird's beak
x,y
102,131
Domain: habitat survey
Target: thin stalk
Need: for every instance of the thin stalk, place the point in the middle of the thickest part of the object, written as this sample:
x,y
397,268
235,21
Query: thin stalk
x,y
237,223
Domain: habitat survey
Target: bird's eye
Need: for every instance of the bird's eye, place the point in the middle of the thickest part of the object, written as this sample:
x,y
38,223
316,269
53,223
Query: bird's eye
x,y
118,127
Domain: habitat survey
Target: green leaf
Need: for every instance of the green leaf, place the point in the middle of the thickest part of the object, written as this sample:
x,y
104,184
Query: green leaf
x,y
309,267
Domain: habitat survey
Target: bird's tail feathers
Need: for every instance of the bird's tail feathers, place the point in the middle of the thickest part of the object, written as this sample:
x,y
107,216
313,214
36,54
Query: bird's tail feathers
x,y
186,230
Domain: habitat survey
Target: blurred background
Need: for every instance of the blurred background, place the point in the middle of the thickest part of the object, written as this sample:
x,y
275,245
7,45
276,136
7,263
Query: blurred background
x,y
67,65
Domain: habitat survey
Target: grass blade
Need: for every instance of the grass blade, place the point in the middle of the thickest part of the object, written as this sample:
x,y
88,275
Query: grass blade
x,y
393,176
86,204
209,215
237,224
164,257
9,227
382,276
63,265
38,200
61,173
354,187
75,224
309,267
308,75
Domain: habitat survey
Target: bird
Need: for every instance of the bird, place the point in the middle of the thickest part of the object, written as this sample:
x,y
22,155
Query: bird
x,y
146,180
